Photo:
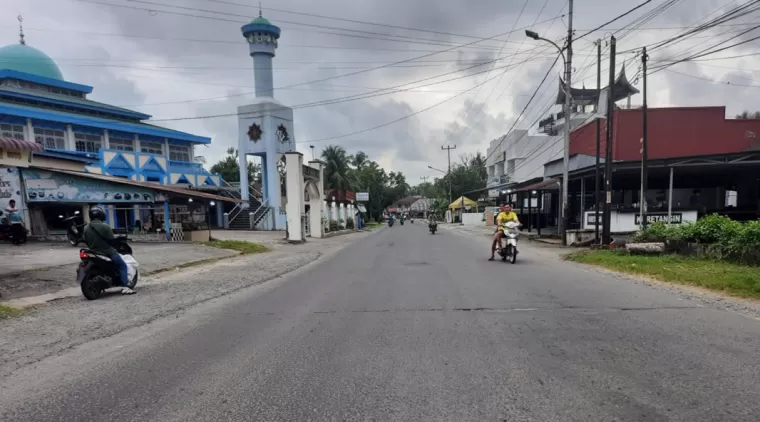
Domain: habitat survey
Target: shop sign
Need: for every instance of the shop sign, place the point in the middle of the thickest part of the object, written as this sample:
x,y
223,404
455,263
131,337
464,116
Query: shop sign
x,y
362,196
675,218
16,158
47,186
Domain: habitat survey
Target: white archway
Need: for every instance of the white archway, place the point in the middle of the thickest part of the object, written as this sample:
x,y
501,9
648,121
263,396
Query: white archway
x,y
302,178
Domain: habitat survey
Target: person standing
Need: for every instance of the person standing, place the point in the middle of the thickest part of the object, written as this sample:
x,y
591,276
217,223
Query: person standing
x,y
16,221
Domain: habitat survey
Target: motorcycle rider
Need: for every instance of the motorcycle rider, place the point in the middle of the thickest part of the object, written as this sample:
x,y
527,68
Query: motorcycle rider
x,y
99,237
505,215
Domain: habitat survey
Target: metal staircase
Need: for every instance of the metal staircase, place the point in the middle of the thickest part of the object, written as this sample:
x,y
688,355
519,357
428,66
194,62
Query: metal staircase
x,y
251,218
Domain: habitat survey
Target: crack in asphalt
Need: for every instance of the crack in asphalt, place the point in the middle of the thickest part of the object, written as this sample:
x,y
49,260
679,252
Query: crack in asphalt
x,y
478,309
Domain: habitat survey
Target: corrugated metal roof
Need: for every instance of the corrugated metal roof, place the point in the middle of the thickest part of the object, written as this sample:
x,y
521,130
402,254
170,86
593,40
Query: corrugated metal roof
x,y
16,145
154,186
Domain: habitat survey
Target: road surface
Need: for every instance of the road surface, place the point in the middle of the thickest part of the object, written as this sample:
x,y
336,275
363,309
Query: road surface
x,y
409,326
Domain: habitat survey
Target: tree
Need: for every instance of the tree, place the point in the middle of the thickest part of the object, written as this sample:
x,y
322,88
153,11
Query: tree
x,y
746,115
337,172
229,168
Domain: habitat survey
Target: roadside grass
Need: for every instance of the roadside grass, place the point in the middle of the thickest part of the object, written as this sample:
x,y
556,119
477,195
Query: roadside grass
x,y
733,279
9,312
243,247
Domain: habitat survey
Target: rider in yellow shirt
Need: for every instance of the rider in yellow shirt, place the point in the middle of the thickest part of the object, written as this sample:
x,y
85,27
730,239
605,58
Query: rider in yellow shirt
x,y
505,215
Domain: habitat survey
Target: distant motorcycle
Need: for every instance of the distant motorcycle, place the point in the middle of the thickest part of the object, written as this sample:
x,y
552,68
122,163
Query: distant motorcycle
x,y
6,231
390,222
509,251
433,227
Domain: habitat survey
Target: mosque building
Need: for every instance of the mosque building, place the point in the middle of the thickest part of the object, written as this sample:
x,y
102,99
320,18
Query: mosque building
x,y
60,151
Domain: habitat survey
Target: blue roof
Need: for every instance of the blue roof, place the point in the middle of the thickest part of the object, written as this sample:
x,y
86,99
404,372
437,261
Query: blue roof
x,y
15,74
67,100
102,123
261,27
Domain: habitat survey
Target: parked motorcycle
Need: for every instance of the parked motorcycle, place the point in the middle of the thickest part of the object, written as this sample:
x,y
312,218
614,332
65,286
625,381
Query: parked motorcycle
x,y
509,251
433,227
97,272
74,231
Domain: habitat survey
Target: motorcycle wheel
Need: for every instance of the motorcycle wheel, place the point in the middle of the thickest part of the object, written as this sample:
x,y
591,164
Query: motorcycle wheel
x,y
512,255
72,239
91,289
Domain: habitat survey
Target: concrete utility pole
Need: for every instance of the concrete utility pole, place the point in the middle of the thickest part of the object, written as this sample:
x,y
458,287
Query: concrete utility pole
x,y
608,156
424,197
597,167
448,149
644,151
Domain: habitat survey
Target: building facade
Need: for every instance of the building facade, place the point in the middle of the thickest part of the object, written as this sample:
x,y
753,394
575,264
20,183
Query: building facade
x,y
38,105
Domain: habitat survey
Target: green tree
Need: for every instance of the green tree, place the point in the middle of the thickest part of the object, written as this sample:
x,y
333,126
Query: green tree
x,y
229,168
337,172
746,115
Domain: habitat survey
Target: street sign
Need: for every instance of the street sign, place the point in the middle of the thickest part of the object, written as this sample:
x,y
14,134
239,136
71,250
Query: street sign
x,y
661,217
493,193
362,196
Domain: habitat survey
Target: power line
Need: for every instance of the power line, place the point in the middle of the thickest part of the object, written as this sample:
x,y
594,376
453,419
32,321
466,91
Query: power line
x,y
614,19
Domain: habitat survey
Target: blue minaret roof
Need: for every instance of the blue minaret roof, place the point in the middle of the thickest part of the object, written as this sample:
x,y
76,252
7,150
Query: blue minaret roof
x,y
260,25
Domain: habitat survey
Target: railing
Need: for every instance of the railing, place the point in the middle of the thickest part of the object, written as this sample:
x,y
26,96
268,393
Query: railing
x,y
259,215
253,192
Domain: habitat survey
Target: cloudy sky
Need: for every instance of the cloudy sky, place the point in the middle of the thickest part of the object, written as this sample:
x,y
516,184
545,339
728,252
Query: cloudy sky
x,y
178,59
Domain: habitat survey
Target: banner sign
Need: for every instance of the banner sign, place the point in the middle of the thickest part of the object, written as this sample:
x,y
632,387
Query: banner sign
x,y
362,196
47,186
675,218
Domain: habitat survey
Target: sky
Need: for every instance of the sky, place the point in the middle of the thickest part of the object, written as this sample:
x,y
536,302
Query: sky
x,y
184,60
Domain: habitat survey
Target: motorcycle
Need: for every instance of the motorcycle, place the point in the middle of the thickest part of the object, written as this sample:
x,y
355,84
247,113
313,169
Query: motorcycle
x,y
402,222
390,223
433,227
411,220
509,251
74,231
97,272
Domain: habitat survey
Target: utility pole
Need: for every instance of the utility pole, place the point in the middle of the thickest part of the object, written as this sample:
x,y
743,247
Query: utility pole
x,y
597,168
424,197
448,149
606,220
568,105
644,151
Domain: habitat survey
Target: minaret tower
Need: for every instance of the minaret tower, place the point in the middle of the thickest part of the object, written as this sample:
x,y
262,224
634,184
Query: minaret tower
x,y
262,42
266,125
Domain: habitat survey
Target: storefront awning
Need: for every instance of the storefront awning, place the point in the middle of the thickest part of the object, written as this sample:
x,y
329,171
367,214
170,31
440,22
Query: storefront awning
x,y
16,145
148,185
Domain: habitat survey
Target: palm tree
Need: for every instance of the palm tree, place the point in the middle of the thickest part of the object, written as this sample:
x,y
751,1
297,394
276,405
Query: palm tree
x,y
359,160
337,171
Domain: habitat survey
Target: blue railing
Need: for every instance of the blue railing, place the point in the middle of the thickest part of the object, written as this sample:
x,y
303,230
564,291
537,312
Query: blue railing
x,y
187,165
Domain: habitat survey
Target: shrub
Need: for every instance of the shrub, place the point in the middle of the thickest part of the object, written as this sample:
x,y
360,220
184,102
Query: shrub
x,y
750,234
656,232
349,223
712,229
333,226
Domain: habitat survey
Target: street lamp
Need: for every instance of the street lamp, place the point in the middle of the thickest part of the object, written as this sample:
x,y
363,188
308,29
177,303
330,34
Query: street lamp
x,y
566,110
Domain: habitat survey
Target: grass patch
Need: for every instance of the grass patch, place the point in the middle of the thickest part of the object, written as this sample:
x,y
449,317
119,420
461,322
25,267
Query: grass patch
x,y
8,312
734,279
243,247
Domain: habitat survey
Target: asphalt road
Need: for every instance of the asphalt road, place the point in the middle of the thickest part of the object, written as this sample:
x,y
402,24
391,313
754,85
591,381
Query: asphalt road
x,y
408,326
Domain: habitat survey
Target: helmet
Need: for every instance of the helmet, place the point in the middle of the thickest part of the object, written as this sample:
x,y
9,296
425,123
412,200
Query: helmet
x,y
97,213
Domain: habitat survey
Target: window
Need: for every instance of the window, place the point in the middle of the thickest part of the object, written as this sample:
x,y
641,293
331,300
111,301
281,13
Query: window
x,y
12,131
121,144
179,153
88,143
151,147
50,138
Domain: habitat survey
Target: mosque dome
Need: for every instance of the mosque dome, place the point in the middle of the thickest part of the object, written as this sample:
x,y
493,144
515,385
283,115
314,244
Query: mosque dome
x,y
23,58
261,21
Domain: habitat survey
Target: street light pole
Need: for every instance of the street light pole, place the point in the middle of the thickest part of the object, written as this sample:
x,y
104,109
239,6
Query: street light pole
x,y
567,60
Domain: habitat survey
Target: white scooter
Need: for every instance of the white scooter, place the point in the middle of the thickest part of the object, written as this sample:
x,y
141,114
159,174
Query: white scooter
x,y
509,251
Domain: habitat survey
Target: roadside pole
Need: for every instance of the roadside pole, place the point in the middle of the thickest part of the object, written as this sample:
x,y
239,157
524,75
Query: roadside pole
x,y
606,220
597,167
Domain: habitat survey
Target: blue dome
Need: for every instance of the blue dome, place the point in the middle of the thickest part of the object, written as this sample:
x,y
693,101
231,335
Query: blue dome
x,y
23,58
